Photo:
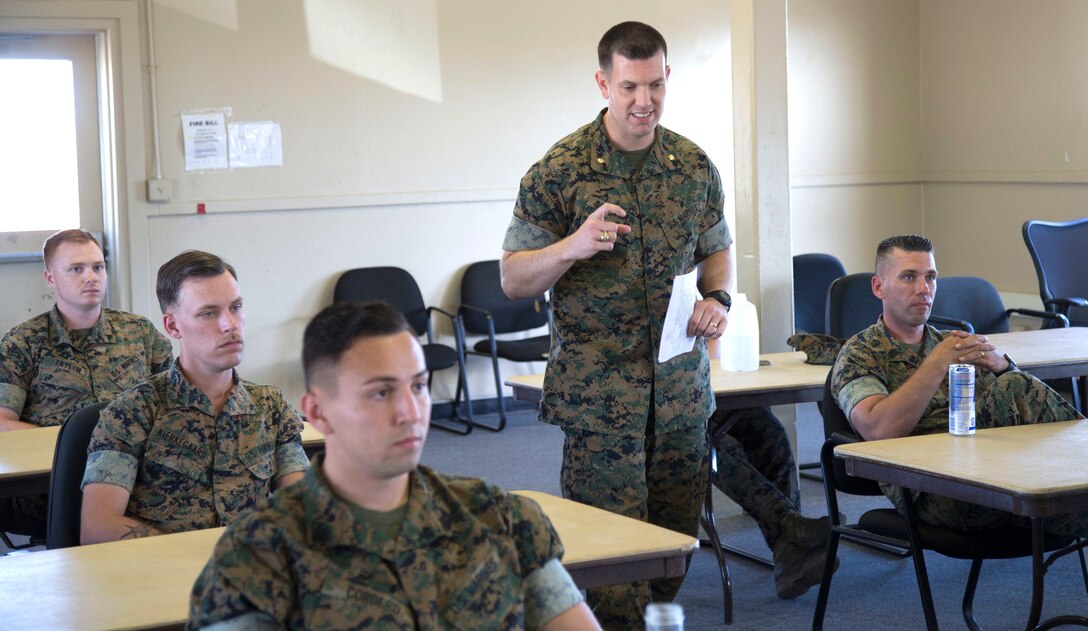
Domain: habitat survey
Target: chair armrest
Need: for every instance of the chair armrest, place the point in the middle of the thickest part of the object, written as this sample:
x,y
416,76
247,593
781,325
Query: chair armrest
x,y
1045,315
963,325
484,312
1062,305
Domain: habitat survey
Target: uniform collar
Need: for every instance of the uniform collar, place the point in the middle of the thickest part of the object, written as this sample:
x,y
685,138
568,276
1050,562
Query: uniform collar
x,y
605,158
182,394
102,331
331,523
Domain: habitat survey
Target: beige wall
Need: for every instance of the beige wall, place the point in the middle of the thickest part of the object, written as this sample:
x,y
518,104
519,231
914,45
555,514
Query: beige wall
x,y
406,128
1004,129
854,137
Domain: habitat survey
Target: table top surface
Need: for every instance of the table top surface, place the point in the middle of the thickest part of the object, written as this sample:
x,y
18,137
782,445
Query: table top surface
x,y
1031,460
29,452
1031,350
146,582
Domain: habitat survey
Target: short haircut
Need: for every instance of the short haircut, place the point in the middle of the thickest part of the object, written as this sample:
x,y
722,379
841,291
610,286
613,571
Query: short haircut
x,y
633,40
905,242
74,235
332,332
188,264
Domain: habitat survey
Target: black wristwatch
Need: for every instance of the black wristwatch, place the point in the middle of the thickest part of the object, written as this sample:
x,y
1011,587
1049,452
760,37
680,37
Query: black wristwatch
x,y
1012,366
721,296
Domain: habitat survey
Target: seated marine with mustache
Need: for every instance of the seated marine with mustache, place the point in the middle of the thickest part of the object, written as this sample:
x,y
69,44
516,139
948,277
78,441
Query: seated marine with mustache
x,y
196,446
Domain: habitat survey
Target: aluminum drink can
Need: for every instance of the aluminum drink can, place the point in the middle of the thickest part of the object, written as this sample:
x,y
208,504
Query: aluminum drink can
x,y
961,399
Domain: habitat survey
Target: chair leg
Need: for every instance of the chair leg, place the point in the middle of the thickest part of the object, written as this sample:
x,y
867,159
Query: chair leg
x,y
498,395
455,423
969,595
1083,567
918,554
825,581
710,525
803,471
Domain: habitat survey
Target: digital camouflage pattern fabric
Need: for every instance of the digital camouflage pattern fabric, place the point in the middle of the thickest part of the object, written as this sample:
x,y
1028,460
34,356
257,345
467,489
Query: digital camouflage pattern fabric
x,y
873,362
459,560
603,378
602,373
47,373
818,349
755,466
185,468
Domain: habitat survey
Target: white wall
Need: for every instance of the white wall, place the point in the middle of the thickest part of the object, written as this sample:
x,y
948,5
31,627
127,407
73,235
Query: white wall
x,y
413,161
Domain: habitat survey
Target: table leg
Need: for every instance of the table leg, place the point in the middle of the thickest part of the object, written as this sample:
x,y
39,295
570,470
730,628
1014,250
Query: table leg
x,y
1036,572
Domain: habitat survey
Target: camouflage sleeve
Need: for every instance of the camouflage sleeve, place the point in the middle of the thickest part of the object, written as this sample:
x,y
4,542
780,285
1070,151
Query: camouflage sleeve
x,y
117,442
242,579
246,622
549,592
856,376
534,536
539,215
161,353
290,457
717,237
16,368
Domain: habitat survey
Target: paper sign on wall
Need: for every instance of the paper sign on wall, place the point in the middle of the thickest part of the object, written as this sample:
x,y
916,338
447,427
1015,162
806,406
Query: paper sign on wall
x,y
255,144
205,138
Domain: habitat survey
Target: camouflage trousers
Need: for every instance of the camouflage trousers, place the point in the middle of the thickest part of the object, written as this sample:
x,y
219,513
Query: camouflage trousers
x,y
755,466
660,479
1016,398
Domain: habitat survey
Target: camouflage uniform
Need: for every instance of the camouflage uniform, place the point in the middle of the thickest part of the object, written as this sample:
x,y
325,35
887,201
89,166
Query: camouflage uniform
x,y
755,466
875,363
47,373
460,558
640,422
185,468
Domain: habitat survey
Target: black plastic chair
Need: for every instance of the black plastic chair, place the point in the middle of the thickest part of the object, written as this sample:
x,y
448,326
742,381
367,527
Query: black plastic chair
x,y
486,310
1057,249
66,477
397,287
886,528
812,275
974,305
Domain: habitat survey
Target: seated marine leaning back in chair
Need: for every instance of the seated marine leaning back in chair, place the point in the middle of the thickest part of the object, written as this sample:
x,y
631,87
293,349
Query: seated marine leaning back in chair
x,y
890,381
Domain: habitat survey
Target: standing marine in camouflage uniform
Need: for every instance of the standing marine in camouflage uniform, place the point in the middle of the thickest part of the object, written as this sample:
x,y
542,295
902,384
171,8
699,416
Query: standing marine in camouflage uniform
x,y
890,380
76,354
755,469
196,446
634,428
368,539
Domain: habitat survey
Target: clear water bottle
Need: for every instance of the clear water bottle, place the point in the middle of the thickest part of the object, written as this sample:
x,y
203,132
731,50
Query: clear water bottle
x,y
664,617
740,343
961,399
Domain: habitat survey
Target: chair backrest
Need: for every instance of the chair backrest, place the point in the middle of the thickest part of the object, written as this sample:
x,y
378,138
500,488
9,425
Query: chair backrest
x,y
481,287
1055,249
390,284
851,305
66,477
812,275
972,299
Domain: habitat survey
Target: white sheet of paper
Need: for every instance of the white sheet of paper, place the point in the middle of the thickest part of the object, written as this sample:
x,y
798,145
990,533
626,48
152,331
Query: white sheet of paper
x,y
256,144
674,334
205,141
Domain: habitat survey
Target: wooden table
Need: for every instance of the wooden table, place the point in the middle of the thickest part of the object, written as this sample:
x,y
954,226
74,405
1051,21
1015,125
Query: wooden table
x,y
603,548
145,583
26,457
1046,353
1030,470
786,379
